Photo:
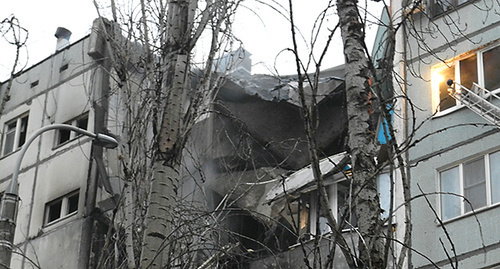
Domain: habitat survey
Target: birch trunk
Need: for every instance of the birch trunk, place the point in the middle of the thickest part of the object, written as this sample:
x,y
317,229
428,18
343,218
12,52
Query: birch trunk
x,y
362,137
167,160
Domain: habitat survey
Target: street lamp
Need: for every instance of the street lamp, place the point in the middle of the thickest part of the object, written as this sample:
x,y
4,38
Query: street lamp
x,y
10,199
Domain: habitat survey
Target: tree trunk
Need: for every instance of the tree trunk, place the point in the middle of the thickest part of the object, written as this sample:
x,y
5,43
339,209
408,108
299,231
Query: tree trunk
x,y
362,137
169,145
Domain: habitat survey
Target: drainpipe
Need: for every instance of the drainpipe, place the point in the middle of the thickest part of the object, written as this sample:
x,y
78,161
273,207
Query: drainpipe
x,y
101,82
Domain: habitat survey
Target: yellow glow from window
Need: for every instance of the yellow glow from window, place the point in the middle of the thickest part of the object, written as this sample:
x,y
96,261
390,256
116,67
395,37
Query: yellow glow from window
x,y
436,78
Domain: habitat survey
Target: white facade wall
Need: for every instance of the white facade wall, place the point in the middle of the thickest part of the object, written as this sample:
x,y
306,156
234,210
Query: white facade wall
x,y
452,138
49,171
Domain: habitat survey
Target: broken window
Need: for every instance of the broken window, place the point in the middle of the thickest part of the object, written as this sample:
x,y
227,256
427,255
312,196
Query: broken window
x,y
66,135
14,134
62,207
477,180
308,218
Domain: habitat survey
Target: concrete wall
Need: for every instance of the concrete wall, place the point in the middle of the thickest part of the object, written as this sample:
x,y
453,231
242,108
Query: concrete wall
x,y
472,29
49,171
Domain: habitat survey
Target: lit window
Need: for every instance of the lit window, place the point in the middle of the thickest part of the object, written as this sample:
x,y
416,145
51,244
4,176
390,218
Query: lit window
x,y
463,71
480,67
61,207
14,134
477,180
66,135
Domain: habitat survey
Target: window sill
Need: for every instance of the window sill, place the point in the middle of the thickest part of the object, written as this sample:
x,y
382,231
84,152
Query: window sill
x,y
10,153
460,106
329,234
81,138
448,111
468,214
451,10
61,221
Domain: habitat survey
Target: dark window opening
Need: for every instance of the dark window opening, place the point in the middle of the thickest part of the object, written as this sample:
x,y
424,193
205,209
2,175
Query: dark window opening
x,y
34,84
82,122
23,131
61,207
67,135
54,211
64,135
64,67
73,203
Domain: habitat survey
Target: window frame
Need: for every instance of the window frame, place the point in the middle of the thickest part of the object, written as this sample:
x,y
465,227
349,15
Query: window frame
x,y
454,5
333,191
436,77
461,174
64,210
71,135
18,139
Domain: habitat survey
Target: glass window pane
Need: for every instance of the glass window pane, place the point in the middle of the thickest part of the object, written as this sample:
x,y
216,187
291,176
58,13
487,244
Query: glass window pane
x,y
54,211
440,6
82,122
9,143
384,190
468,71
491,65
73,203
23,131
345,209
450,183
475,184
446,101
323,225
10,135
495,176
64,135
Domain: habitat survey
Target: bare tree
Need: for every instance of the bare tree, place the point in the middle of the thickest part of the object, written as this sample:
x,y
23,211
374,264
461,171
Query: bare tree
x,y
163,94
157,228
14,34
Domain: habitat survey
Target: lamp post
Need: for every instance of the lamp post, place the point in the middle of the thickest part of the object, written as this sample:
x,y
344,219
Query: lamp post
x,y
10,199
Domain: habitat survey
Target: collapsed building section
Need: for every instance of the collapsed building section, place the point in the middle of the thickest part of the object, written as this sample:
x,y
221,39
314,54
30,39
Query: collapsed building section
x,y
254,137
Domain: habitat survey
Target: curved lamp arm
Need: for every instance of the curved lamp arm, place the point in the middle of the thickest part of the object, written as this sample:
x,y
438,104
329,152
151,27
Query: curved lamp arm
x,y
10,199
100,139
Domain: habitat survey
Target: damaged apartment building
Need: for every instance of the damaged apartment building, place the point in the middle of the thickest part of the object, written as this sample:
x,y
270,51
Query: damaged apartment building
x,y
263,166
58,188
249,156
246,168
